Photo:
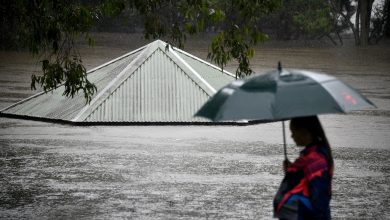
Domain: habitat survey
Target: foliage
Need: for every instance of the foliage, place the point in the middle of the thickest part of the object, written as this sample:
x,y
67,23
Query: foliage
x,y
239,32
379,21
305,18
8,25
49,29
370,23
235,20
314,17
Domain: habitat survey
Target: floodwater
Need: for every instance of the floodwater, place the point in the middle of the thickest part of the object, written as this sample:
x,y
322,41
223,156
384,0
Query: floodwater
x,y
54,171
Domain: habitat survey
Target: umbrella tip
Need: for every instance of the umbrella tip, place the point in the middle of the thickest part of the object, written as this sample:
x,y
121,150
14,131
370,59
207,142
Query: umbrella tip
x,y
279,67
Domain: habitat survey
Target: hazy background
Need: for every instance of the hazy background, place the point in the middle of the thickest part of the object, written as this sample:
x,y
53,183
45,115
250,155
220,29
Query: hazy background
x,y
53,171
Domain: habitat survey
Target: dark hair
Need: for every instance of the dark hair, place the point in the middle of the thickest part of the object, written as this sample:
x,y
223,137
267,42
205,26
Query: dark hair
x,y
313,125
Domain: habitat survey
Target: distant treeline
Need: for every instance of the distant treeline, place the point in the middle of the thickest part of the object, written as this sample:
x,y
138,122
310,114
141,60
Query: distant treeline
x,y
294,19
52,29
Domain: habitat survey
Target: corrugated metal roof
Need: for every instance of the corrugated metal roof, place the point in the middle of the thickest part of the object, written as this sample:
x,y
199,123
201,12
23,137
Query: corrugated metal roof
x,y
211,73
155,83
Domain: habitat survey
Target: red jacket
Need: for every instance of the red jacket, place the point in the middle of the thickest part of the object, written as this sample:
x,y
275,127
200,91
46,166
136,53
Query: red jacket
x,y
306,188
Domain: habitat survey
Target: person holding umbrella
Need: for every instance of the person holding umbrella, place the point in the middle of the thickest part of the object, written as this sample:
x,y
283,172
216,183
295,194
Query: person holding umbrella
x,y
296,95
305,191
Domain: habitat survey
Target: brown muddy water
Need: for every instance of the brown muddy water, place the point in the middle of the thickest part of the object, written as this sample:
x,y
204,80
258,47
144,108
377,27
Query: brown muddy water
x,y
53,171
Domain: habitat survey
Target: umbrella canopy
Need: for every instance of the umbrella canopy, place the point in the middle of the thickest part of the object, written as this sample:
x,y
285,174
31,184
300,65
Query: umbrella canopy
x,y
281,95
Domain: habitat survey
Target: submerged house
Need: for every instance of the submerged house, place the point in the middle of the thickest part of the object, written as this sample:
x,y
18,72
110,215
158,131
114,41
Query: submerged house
x,y
155,84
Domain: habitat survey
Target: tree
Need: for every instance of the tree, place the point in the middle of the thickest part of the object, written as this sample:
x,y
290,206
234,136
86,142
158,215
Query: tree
x,y
323,18
364,12
363,23
305,18
239,31
313,17
380,22
49,28
343,11
387,18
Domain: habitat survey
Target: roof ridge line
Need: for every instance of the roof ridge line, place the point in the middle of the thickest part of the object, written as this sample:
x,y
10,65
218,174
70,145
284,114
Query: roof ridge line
x,y
89,71
147,49
193,71
116,59
205,62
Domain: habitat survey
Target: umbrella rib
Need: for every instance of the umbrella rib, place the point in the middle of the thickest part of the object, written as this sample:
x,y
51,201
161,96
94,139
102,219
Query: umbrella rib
x,y
326,90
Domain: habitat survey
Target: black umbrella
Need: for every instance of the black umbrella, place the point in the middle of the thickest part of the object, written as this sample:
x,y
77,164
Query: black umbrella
x,y
280,95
